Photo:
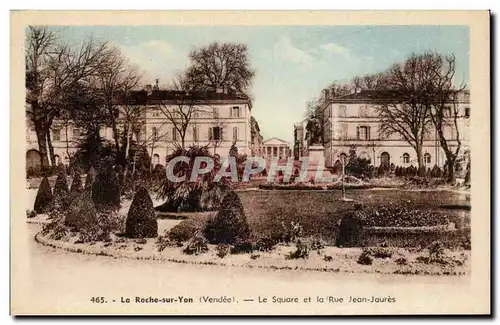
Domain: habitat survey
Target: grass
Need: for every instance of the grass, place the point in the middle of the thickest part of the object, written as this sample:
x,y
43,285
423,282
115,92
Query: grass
x,y
319,212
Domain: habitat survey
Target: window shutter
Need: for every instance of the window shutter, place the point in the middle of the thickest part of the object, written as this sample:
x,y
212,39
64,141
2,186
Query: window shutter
x,y
357,132
210,133
231,112
369,131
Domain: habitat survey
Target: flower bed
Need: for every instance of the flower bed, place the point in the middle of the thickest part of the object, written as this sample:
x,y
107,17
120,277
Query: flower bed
x,y
327,259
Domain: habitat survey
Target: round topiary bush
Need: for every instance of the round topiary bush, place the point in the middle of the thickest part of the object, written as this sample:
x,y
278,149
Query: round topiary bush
x,y
44,201
61,190
230,223
141,218
105,190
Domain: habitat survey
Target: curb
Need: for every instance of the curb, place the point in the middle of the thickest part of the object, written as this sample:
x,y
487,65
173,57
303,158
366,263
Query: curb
x,y
53,244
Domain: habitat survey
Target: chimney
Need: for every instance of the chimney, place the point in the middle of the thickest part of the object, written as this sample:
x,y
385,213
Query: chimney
x,y
149,90
326,93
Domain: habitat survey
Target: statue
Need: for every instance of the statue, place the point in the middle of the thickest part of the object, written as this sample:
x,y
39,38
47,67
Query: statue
x,y
313,128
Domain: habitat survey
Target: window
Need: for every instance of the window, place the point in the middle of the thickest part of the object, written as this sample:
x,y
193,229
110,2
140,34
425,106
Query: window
x,y
447,111
363,132
174,134
195,134
467,112
345,129
427,158
156,159
406,158
235,111
154,131
76,133
235,133
56,135
363,111
342,111
215,133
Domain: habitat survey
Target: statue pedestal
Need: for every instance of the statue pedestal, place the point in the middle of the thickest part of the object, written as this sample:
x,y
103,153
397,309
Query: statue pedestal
x,y
316,156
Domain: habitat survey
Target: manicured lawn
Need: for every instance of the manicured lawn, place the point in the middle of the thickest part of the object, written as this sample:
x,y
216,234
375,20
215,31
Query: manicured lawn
x,y
319,212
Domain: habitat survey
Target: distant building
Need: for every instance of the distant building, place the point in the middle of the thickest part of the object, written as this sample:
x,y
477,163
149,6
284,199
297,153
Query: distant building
x,y
276,148
256,137
220,120
351,120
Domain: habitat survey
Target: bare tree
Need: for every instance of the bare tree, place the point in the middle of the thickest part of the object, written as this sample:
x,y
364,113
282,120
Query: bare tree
x,y
184,106
221,66
443,104
147,141
52,69
402,109
116,79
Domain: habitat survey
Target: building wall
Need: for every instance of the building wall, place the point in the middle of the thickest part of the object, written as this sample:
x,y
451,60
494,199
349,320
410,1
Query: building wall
x,y
225,118
356,124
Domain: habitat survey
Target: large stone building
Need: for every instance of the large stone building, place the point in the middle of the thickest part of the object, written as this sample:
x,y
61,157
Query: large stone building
x,y
352,120
276,148
219,120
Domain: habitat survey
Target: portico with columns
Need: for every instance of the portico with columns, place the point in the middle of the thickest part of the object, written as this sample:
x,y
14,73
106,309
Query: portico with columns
x,y
275,148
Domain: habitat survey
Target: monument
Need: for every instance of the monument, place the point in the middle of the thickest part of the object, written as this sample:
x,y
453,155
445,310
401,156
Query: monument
x,y
315,152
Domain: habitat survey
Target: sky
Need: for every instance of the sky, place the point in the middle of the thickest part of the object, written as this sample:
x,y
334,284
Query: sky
x,y
293,63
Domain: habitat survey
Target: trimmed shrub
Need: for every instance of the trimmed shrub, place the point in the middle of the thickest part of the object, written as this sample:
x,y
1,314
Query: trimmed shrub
x,y
365,258
196,246
105,190
61,190
141,218
44,201
186,229
229,225
223,250
83,217
76,183
90,178
242,247
302,251
266,244
350,230
380,252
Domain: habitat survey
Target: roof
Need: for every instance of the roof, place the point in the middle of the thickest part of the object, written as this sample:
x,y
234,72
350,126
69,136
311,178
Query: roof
x,y
277,139
143,97
370,95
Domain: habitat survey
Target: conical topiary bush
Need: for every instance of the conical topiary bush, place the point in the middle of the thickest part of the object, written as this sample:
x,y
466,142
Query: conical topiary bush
x,y
44,201
76,186
76,183
105,190
61,190
82,214
230,224
89,179
141,218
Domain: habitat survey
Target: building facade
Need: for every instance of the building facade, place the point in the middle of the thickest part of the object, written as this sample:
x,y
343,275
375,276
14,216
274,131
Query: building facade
x,y
352,120
218,120
276,148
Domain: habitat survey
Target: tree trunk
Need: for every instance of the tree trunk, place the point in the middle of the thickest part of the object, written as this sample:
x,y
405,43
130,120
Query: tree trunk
x,y
51,150
41,136
451,168
420,157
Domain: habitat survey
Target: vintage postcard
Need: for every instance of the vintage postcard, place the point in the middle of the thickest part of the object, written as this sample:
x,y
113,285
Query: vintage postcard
x,y
250,163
